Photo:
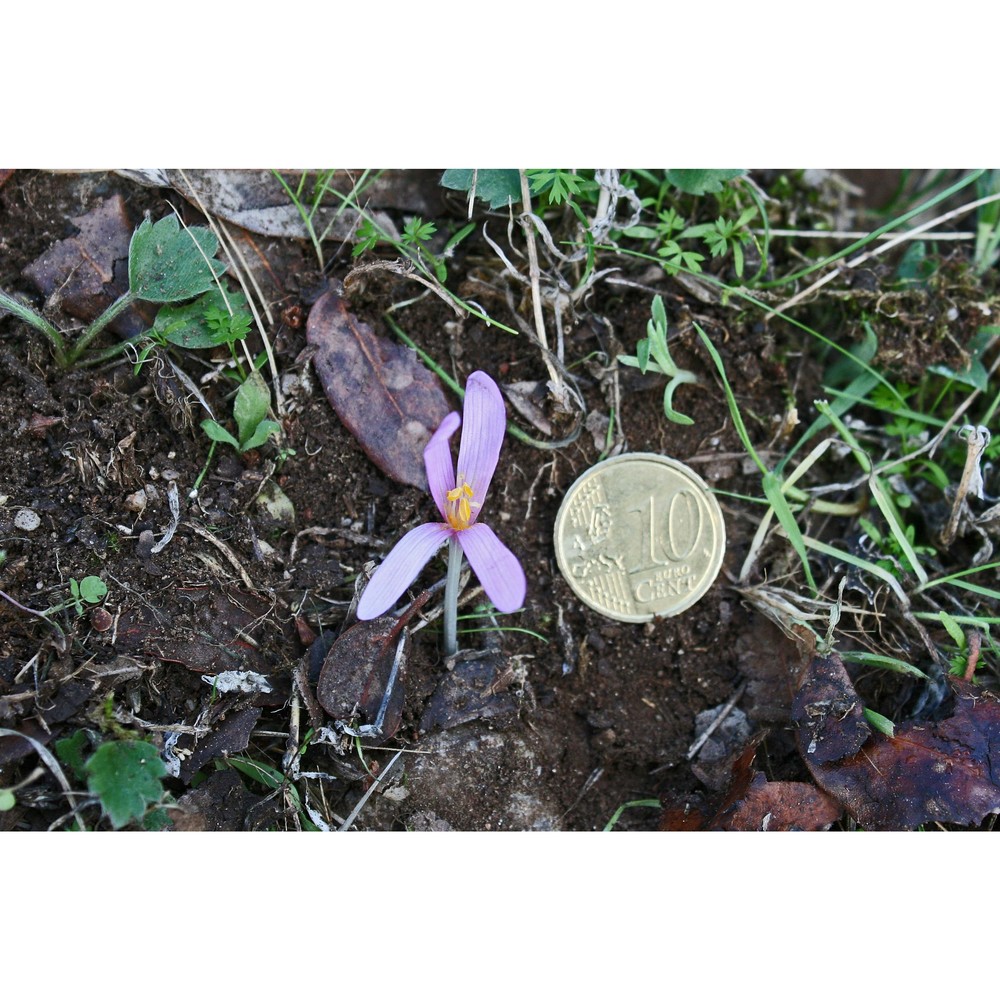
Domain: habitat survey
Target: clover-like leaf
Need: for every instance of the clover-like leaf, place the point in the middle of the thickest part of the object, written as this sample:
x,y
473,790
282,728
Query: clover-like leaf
x,y
168,264
126,776
93,589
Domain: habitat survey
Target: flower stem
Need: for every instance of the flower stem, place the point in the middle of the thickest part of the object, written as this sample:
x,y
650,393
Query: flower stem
x,y
451,597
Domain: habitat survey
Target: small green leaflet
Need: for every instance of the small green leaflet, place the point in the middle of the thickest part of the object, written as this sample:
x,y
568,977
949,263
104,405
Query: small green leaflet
x,y
126,776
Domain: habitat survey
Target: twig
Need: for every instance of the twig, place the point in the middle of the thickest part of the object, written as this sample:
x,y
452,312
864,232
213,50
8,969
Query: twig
x,y
227,552
977,440
534,273
717,721
346,825
846,234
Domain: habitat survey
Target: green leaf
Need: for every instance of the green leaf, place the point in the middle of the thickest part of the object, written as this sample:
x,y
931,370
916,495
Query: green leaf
x,y
953,629
126,776
892,663
772,490
261,433
93,589
497,187
668,409
418,231
217,432
880,722
458,237
168,264
70,752
204,323
560,185
702,181
640,233
250,407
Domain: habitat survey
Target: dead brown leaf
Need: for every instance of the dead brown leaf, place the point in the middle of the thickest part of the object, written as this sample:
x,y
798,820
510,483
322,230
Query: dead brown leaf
x,y
828,712
946,771
754,803
89,271
358,668
385,397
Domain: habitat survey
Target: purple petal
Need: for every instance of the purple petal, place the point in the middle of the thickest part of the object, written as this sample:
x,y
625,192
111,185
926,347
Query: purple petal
x,y
485,421
400,568
437,461
496,566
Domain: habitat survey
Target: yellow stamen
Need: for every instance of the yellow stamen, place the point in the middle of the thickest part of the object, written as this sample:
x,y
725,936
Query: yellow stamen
x,y
459,506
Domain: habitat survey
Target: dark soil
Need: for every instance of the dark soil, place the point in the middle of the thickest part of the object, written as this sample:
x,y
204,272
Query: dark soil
x,y
565,725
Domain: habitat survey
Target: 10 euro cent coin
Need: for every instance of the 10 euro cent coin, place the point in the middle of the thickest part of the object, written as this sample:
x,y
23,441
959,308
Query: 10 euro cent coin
x,y
639,536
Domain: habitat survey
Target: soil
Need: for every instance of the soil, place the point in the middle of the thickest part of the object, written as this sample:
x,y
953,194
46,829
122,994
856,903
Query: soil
x,y
551,724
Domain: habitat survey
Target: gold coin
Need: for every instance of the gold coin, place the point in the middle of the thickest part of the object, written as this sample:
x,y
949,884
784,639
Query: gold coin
x,y
639,536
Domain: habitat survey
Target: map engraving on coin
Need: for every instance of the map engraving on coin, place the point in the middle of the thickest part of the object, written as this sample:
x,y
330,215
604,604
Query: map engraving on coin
x,y
639,536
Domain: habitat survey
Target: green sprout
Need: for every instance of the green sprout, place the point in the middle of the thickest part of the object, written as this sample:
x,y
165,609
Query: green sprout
x,y
250,409
652,354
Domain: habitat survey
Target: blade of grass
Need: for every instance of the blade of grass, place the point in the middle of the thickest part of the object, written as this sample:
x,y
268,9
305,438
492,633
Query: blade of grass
x,y
884,575
771,483
887,662
877,488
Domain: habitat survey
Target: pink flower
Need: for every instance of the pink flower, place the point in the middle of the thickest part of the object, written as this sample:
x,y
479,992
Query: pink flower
x,y
460,502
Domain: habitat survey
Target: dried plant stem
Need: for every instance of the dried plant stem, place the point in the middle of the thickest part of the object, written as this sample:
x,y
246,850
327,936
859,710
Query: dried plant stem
x,y
534,274
977,441
451,587
895,241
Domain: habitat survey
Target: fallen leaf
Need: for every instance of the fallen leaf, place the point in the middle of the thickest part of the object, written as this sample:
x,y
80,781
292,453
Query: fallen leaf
x,y
257,200
828,712
780,805
528,398
473,689
946,771
217,630
752,802
356,672
229,735
382,393
89,271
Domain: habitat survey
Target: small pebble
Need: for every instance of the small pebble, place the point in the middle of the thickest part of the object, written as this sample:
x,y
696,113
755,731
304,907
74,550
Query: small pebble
x,y
26,519
136,502
101,620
